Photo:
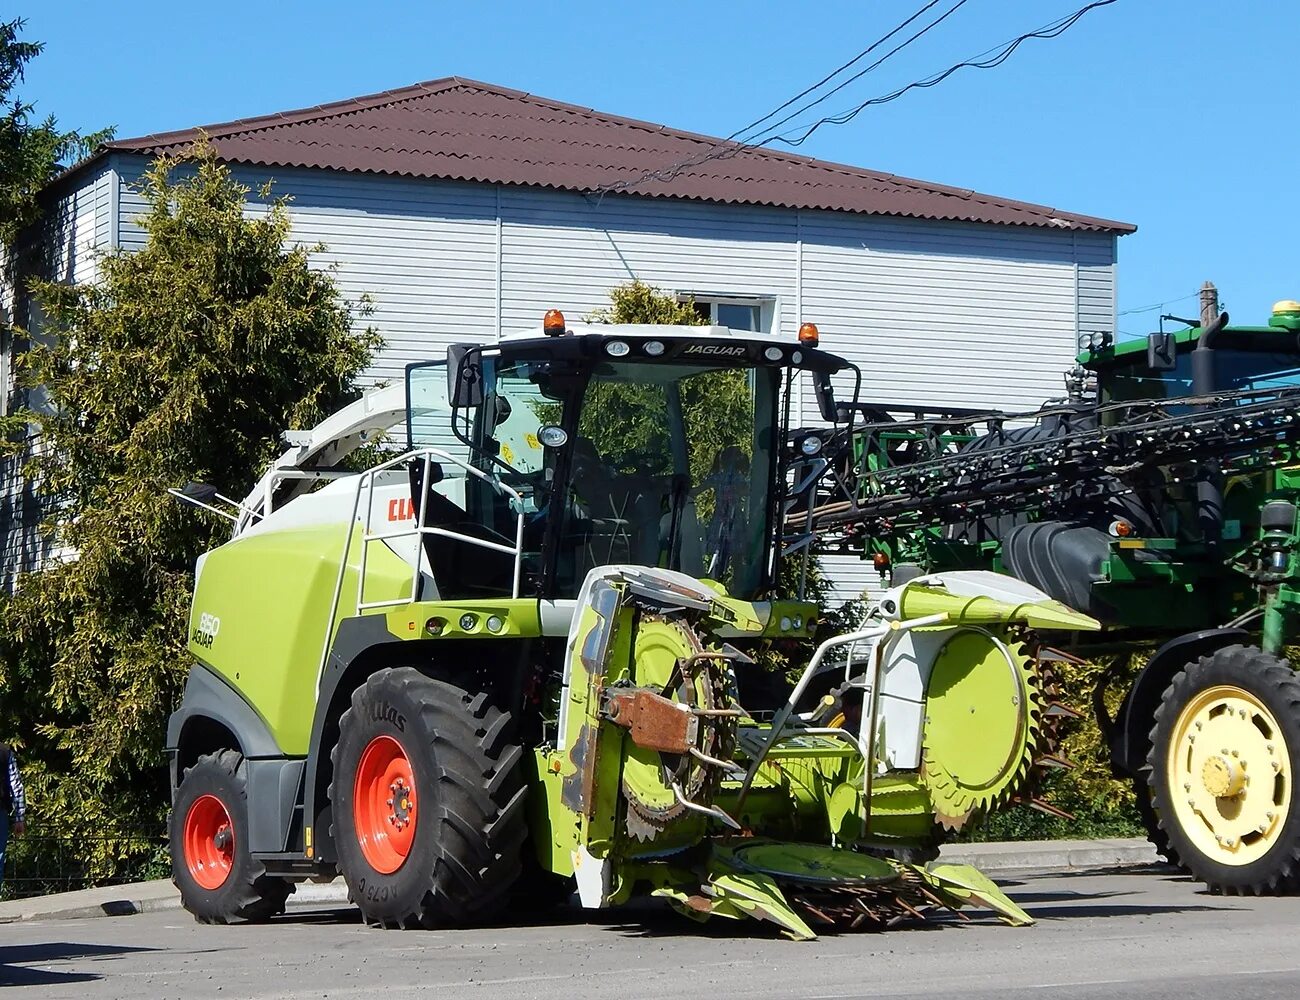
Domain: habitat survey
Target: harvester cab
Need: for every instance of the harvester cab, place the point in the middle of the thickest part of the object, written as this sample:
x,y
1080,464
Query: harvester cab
x,y
519,654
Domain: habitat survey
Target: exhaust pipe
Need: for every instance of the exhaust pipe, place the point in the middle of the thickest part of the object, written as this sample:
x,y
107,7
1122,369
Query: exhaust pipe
x,y
1209,488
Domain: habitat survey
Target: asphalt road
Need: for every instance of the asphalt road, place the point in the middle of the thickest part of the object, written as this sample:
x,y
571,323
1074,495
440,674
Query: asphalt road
x,y
1099,935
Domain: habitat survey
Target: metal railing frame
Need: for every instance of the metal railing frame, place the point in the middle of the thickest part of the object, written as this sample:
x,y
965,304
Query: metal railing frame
x,y
366,482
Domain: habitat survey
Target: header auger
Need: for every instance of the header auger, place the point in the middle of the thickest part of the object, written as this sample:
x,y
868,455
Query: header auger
x,y
519,657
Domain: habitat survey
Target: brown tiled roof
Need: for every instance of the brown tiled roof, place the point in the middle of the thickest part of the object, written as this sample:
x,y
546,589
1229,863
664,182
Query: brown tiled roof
x,y
458,129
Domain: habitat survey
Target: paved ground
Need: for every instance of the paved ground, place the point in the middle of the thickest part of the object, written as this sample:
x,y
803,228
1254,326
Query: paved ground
x,y
1107,935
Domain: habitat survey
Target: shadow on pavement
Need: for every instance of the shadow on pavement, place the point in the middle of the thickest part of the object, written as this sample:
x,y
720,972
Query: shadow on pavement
x,y
1033,898
16,959
1118,910
654,918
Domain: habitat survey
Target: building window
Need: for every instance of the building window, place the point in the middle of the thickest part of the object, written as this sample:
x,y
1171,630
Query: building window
x,y
752,314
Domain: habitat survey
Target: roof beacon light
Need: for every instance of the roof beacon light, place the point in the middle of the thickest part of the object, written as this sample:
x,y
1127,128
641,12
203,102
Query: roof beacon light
x,y
808,335
1286,314
553,323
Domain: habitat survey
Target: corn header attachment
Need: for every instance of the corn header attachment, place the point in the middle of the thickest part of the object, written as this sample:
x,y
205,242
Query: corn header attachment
x,y
671,781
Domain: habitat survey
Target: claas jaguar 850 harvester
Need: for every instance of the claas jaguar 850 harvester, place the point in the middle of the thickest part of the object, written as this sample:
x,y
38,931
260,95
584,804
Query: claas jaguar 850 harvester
x,y
522,654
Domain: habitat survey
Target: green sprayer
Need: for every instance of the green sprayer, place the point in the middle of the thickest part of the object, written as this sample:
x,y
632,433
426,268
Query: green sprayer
x,y
1160,498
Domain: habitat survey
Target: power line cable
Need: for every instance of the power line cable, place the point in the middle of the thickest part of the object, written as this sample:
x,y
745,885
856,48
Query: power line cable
x,y
1052,29
834,73
1158,305
1055,30
719,151
770,130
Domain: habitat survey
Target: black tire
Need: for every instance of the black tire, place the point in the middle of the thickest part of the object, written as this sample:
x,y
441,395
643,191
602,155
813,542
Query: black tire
x,y
1151,823
1275,685
248,893
467,777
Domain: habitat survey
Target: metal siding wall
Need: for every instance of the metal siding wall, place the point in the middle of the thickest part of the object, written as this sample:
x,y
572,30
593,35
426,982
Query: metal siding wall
x,y
130,205
942,313
424,253
103,189
561,250
948,314
1095,253
83,213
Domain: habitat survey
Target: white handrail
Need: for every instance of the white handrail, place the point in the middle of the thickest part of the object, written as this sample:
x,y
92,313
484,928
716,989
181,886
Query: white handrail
x,y
873,635
366,481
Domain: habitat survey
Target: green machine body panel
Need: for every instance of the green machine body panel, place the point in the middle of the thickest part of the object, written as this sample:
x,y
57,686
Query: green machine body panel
x,y
261,604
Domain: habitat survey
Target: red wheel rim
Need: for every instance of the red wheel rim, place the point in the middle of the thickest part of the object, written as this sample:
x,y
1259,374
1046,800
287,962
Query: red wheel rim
x,y
208,840
383,804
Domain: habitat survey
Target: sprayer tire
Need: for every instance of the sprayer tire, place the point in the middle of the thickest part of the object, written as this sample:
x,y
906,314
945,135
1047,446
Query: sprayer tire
x,y
1244,692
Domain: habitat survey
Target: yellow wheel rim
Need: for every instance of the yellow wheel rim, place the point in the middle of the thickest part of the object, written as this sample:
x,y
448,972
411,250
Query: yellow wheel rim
x,y
1229,775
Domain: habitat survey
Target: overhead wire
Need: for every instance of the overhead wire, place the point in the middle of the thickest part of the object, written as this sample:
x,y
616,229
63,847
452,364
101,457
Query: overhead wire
x,y
1053,29
1158,305
836,72
857,76
720,151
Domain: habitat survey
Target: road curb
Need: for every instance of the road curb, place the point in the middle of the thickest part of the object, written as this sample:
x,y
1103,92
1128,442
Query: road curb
x,y
991,858
1053,855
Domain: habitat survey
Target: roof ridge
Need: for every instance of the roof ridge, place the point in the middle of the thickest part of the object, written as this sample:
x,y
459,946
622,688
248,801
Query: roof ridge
x,y
333,109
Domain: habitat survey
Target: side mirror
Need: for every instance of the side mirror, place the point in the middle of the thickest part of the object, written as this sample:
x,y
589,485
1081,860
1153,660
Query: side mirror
x,y
501,410
1162,352
825,393
464,376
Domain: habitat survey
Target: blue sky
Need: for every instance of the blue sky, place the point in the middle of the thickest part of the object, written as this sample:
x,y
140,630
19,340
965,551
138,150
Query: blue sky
x,y
1177,115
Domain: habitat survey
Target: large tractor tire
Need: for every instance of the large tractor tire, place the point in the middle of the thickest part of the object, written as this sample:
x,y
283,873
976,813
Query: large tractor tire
x,y
1225,752
1151,822
219,881
428,799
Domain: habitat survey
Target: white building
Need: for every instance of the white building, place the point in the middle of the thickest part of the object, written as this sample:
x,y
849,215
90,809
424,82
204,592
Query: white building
x,y
464,209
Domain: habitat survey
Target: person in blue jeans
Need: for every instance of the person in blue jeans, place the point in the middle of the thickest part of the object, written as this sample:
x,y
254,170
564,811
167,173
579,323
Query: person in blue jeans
x,y
12,801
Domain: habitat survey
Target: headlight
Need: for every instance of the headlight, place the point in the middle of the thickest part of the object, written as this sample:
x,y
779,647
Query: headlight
x,y
772,353
811,445
653,348
617,349
552,436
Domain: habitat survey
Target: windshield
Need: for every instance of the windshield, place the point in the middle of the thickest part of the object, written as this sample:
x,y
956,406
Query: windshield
x,y
671,466
649,463
1234,370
